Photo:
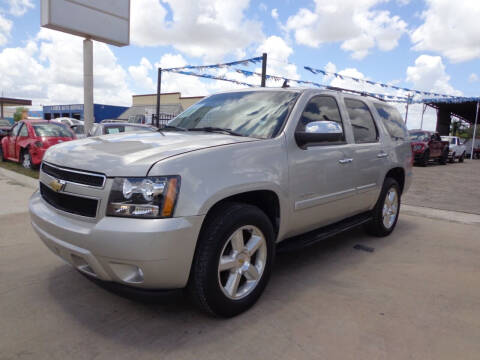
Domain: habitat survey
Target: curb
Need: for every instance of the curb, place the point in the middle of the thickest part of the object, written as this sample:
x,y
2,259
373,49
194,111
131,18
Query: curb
x,y
21,179
437,214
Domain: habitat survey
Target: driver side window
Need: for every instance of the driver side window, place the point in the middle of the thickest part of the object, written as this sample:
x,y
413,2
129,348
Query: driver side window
x,y
321,109
15,129
23,131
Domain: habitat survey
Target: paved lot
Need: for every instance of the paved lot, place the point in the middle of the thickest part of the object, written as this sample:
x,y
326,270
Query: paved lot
x,y
453,187
415,297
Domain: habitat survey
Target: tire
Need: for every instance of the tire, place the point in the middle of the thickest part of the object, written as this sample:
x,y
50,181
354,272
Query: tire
x,y
425,159
208,286
382,225
444,159
452,159
461,158
26,159
1,154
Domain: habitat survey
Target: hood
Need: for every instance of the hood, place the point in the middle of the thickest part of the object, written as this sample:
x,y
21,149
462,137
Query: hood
x,y
132,154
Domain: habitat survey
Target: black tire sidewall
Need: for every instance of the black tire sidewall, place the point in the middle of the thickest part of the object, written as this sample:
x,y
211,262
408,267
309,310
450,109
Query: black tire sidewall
x,y
426,158
376,227
212,240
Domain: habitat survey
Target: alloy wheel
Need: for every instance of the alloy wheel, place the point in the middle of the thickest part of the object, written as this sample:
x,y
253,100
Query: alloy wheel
x,y
390,208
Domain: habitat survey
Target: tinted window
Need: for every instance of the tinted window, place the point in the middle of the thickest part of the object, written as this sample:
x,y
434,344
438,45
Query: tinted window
x,y
364,129
125,128
419,136
259,114
23,131
393,121
16,129
52,130
320,108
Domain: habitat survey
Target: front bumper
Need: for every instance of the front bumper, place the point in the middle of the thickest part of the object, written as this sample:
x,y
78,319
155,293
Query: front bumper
x,y
144,253
37,155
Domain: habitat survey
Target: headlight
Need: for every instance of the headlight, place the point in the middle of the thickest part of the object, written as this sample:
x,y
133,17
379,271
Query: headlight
x,y
149,197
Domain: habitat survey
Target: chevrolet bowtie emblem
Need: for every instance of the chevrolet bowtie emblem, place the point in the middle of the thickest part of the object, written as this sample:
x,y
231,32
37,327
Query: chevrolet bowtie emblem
x,y
57,185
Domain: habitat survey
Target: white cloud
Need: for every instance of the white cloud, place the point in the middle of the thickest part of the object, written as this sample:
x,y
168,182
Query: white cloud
x,y
403,2
274,14
206,28
451,29
19,7
429,74
5,27
140,75
473,78
39,72
352,22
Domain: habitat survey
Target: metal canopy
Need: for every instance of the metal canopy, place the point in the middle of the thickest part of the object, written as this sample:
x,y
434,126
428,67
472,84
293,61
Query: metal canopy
x,y
12,102
465,110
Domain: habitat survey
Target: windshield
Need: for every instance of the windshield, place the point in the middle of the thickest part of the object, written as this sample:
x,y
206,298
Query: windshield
x,y
4,123
116,129
258,114
419,136
52,130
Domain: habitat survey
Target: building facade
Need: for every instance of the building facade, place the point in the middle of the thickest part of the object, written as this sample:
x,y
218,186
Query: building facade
x,y
75,111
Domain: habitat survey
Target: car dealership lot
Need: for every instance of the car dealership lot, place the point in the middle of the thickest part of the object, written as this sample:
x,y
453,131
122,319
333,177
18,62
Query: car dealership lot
x,y
416,296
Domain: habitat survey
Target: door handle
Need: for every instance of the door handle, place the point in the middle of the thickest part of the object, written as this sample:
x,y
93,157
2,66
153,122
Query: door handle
x,y
382,155
345,161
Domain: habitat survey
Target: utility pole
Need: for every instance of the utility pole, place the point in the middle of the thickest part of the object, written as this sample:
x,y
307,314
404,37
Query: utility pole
x,y
159,88
474,132
264,69
408,103
423,113
87,85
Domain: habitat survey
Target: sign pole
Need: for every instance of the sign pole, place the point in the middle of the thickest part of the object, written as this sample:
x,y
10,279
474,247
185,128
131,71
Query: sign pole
x,y
423,113
474,132
88,85
264,69
406,113
159,88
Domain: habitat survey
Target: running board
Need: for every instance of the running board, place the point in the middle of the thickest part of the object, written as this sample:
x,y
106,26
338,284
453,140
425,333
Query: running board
x,y
312,237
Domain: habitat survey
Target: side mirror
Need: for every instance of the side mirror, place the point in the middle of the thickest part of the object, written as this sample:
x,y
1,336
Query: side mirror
x,y
319,131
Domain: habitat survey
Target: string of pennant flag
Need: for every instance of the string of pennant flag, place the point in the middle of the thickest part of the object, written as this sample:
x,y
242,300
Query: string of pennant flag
x,y
411,98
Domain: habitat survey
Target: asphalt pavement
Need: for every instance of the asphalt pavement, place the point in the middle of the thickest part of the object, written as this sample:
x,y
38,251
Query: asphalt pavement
x,y
417,296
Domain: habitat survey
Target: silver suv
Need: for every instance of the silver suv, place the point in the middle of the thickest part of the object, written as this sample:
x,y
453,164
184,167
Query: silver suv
x,y
205,202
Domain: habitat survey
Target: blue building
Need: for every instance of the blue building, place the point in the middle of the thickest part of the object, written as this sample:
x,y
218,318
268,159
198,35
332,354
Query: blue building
x,y
100,112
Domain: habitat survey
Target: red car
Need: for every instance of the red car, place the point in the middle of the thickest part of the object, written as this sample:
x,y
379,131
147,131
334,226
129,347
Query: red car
x,y
428,145
27,141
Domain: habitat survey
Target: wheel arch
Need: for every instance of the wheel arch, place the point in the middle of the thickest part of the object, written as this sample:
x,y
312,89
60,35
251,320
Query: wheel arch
x,y
398,174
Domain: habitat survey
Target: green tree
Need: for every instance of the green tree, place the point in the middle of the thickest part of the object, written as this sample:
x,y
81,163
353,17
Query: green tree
x,y
17,116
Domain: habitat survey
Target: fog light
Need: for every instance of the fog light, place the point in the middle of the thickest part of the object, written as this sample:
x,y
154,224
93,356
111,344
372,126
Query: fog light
x,y
128,273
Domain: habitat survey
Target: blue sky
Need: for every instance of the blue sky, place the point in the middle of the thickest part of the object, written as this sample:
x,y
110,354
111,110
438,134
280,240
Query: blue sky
x,y
431,45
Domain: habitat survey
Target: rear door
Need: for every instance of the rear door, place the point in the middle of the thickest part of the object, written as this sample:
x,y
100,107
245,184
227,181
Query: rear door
x,y
369,153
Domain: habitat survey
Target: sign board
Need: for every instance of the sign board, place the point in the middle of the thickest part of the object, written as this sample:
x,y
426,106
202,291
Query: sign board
x,y
107,21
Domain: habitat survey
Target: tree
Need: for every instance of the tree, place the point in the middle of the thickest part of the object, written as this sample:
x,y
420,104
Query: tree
x,y
17,116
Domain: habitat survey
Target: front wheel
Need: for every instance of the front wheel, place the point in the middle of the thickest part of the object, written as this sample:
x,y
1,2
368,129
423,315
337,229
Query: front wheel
x,y
452,159
461,158
386,211
1,154
425,158
233,260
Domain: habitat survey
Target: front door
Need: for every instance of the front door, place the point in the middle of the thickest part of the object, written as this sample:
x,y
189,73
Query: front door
x,y
12,139
320,174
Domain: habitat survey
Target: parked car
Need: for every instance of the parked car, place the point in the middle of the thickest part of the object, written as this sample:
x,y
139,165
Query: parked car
x,y
28,140
68,121
117,127
204,203
5,126
476,149
456,148
79,131
111,121
427,145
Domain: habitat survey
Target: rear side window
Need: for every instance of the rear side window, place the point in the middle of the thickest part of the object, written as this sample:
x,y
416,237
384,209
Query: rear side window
x,y
393,121
23,131
52,130
320,108
363,125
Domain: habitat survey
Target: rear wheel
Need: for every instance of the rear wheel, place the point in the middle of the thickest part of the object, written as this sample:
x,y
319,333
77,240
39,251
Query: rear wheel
x,y
443,160
26,159
461,158
233,260
1,154
385,213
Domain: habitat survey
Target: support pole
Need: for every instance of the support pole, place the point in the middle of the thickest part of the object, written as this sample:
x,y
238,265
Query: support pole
x,y
474,132
423,113
87,85
406,113
264,69
1,111
159,88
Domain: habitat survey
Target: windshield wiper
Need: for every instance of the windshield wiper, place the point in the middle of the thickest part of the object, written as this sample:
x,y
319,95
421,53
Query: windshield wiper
x,y
171,127
216,129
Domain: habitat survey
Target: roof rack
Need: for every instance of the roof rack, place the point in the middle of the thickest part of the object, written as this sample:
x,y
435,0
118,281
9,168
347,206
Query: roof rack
x,y
361,93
